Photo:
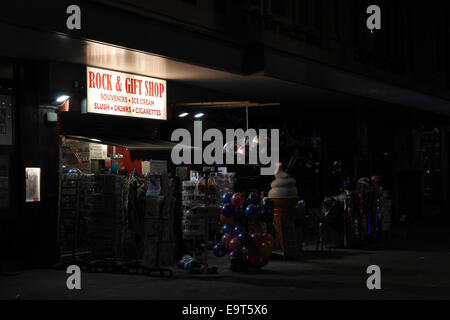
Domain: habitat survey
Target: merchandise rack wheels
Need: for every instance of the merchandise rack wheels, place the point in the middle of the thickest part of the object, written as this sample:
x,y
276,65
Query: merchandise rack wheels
x,y
136,267
101,265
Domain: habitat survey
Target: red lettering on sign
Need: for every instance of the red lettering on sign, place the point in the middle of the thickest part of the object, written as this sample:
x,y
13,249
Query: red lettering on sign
x,y
91,79
161,90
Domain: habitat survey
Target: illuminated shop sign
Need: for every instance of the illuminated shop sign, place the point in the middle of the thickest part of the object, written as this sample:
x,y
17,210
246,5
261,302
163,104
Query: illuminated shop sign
x,y
123,94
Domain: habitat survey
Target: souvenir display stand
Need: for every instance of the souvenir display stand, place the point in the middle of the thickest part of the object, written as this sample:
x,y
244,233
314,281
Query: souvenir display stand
x,y
115,224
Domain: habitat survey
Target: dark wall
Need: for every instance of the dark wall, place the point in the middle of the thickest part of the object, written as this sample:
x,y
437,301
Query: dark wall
x,y
36,223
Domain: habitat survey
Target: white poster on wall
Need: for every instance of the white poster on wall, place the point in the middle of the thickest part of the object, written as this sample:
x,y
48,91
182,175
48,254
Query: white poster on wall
x,y
32,184
98,151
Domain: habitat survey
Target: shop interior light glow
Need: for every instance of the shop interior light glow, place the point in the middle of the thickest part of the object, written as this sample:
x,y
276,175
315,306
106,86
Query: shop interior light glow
x,y
199,115
182,115
62,99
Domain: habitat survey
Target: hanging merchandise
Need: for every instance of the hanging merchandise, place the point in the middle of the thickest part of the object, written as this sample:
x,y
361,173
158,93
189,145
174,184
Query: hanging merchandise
x,y
192,224
360,211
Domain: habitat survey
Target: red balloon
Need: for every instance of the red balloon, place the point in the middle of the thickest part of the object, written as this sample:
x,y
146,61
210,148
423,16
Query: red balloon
x,y
254,260
253,251
226,239
257,240
226,220
237,199
234,245
268,237
266,248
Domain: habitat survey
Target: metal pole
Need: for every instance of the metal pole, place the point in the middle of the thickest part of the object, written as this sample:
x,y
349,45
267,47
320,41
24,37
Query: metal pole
x,y
246,116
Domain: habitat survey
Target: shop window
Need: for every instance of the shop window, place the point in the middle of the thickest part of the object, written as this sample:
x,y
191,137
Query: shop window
x,y
33,184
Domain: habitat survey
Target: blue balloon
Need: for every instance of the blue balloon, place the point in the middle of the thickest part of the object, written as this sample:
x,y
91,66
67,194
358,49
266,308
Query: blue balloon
x,y
254,199
226,198
236,230
219,250
244,239
228,210
227,228
252,211
268,204
236,257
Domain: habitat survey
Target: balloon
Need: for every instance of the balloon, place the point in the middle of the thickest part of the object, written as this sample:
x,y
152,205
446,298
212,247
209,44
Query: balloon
x,y
257,240
219,250
244,239
266,248
266,216
254,143
301,204
226,220
236,230
243,155
234,245
229,147
253,251
268,204
257,227
254,199
253,260
267,237
237,199
259,261
252,211
227,228
228,210
226,198
226,238
236,257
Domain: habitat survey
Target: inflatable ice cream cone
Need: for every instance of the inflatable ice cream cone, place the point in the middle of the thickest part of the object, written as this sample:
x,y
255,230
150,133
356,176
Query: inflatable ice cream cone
x,y
284,196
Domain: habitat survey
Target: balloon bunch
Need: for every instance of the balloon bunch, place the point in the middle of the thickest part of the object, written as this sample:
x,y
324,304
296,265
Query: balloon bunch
x,y
243,236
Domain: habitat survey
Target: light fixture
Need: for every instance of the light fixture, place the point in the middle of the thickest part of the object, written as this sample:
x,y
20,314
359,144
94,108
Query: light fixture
x,y
182,115
199,115
62,98
96,140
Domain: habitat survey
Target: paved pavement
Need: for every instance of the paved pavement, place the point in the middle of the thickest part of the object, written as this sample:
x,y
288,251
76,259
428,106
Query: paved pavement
x,y
340,274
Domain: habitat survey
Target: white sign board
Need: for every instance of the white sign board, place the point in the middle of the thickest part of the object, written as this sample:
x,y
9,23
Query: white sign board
x,y
32,184
123,94
98,151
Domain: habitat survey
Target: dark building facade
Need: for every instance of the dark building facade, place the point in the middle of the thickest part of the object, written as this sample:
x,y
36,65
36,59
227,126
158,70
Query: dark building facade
x,y
377,100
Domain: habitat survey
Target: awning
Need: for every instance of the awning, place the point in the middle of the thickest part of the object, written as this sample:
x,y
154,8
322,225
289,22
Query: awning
x,y
130,144
140,149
